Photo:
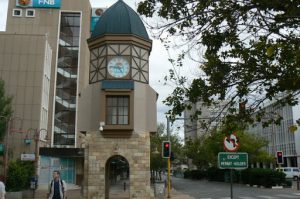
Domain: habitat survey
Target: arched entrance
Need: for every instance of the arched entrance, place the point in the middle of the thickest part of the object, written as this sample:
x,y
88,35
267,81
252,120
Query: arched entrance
x,y
117,178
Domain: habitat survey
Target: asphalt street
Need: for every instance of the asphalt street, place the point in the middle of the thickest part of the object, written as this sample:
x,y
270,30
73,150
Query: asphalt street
x,y
203,189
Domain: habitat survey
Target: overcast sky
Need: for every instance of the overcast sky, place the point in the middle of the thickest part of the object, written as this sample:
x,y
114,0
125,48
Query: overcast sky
x,y
159,64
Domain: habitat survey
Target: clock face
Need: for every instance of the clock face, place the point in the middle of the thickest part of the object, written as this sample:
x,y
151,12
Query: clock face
x,y
118,67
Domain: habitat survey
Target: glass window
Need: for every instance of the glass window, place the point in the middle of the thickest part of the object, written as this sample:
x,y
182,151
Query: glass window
x,y
17,12
117,110
30,13
66,84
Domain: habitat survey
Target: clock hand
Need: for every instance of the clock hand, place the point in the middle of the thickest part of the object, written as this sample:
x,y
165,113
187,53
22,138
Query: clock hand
x,y
120,69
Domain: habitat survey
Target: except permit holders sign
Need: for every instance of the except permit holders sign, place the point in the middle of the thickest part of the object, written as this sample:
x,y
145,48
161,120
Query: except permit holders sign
x,y
38,3
231,160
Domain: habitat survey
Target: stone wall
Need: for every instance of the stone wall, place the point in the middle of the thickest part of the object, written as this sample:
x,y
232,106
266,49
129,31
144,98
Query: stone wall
x,y
99,150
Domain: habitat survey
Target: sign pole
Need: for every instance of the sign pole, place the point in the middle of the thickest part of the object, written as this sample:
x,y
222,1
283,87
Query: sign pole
x,y
169,159
169,180
231,189
231,159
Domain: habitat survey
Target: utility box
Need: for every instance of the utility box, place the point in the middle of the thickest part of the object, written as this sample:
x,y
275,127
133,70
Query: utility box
x,y
159,189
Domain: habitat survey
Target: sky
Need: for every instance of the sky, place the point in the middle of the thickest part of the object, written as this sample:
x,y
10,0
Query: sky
x,y
159,64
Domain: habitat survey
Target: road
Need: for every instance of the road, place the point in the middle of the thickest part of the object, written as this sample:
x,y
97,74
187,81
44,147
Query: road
x,y
204,189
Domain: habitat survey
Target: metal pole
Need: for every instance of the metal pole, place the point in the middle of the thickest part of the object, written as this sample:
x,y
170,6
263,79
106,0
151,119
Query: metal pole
x,y
169,180
6,149
231,190
36,150
168,128
169,161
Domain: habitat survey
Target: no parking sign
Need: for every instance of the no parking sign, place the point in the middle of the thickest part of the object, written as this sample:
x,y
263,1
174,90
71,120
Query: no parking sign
x,y
231,143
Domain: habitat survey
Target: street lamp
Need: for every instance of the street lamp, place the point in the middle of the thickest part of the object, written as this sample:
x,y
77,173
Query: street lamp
x,y
37,138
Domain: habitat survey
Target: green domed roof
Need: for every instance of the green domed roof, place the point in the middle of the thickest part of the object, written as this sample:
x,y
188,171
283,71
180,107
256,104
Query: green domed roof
x,y
120,19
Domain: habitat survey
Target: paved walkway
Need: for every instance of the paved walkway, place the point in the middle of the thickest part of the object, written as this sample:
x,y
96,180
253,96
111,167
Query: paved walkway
x,y
119,190
74,192
174,194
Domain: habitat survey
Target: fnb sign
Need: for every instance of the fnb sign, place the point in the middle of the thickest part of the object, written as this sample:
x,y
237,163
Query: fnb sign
x,y
39,3
47,2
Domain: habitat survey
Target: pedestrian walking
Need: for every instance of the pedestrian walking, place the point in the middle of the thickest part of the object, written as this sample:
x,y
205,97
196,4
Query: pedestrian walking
x,y
2,190
57,187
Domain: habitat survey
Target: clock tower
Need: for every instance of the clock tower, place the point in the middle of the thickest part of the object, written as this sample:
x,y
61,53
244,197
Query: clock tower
x,y
121,111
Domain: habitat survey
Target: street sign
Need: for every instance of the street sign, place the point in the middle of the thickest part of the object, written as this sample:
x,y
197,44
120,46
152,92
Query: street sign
x,y
27,157
229,160
231,143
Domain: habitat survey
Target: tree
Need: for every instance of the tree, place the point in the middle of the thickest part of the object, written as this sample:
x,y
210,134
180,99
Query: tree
x,y
5,109
251,51
158,163
204,150
19,174
198,152
255,146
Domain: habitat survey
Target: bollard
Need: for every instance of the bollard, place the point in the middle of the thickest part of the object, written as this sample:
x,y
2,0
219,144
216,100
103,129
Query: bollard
x,y
124,186
298,184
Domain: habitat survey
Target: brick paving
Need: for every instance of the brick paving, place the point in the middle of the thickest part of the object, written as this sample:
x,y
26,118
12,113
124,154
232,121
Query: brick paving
x,y
74,192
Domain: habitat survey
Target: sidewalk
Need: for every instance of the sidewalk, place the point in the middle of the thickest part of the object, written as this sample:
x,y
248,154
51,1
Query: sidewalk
x,y
74,192
161,192
178,195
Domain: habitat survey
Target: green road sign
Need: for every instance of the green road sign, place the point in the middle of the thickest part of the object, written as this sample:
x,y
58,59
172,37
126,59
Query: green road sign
x,y
231,160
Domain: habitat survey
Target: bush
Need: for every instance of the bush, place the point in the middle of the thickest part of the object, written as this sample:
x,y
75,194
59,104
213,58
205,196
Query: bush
x,y
194,174
215,174
18,175
287,183
253,176
262,177
187,174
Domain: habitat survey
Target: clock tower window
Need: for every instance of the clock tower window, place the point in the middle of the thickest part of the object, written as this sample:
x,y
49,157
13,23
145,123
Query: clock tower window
x,y
117,110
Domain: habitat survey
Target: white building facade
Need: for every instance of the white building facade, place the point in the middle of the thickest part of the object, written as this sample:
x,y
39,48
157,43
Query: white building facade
x,y
280,137
209,119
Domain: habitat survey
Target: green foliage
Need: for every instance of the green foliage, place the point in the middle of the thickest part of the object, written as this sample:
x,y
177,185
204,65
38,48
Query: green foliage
x,y
253,176
263,177
215,174
249,51
204,150
5,109
255,146
156,161
195,174
19,174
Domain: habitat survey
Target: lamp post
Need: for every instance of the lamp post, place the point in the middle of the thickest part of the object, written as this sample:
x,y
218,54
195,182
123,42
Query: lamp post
x,y
169,159
37,139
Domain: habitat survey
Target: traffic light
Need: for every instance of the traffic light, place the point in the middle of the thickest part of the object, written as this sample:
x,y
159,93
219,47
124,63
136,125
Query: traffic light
x,y
279,155
166,149
172,157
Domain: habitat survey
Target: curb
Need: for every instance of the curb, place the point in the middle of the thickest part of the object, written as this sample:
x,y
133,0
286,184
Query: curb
x,y
277,187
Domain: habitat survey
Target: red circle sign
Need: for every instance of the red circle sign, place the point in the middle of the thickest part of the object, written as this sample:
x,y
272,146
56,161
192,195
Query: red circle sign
x,y
231,143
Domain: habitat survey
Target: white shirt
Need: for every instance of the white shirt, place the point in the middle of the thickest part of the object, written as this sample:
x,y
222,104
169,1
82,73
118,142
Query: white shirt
x,y
2,190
